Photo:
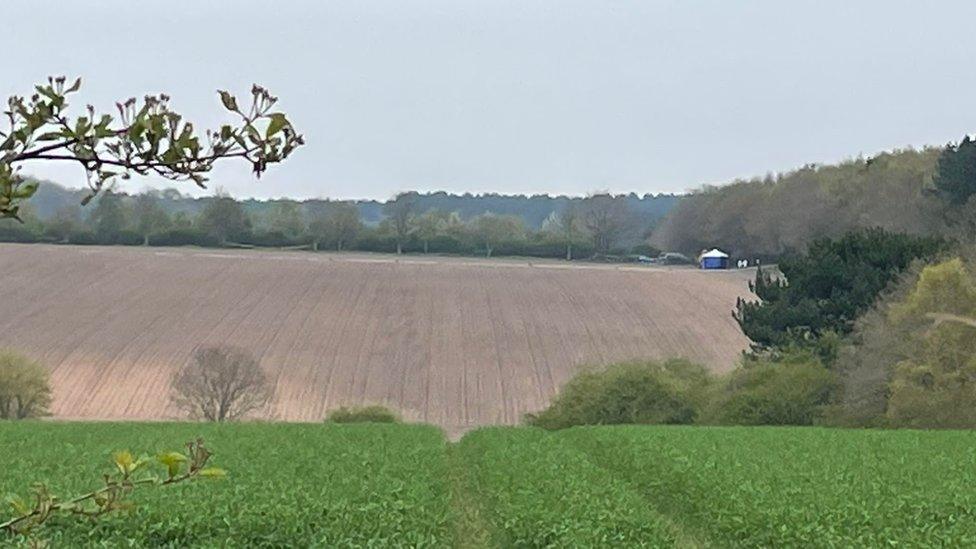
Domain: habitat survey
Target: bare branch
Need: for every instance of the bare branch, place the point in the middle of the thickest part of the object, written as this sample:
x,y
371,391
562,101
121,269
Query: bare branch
x,y
940,318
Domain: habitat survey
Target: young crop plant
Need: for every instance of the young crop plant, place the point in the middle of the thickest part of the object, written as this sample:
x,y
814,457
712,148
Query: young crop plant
x,y
115,494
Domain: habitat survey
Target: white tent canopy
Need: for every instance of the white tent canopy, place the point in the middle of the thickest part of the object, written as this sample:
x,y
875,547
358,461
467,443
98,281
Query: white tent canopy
x,y
714,252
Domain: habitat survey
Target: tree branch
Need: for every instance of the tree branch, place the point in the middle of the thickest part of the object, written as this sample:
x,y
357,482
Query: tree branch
x,y
939,318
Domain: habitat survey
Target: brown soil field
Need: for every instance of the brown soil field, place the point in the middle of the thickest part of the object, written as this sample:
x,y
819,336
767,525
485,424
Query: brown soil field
x,y
457,342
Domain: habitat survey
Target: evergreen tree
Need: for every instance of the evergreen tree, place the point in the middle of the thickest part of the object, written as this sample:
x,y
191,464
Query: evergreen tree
x,y
826,289
955,179
108,217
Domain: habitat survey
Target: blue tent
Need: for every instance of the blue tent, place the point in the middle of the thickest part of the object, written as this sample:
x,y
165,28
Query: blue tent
x,y
714,259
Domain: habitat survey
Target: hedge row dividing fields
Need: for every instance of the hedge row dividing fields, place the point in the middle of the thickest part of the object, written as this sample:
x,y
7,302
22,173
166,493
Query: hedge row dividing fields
x,y
300,485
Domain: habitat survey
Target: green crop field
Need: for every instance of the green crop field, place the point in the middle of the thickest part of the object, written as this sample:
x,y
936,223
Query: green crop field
x,y
293,485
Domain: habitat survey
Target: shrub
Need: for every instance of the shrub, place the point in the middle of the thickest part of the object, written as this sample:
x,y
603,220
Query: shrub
x,y
363,414
792,389
82,237
273,239
25,389
670,392
14,231
374,241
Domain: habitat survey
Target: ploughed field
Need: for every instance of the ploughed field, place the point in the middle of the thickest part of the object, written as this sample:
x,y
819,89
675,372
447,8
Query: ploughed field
x,y
457,342
326,485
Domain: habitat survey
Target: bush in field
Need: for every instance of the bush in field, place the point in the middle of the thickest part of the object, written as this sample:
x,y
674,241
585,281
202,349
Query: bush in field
x,y
792,389
221,384
670,392
363,414
25,389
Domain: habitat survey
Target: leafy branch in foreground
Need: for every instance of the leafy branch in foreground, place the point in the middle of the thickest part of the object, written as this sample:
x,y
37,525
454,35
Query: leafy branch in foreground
x,y
148,138
113,496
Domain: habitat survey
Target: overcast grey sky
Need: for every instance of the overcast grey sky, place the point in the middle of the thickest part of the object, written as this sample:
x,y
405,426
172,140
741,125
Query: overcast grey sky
x,y
522,96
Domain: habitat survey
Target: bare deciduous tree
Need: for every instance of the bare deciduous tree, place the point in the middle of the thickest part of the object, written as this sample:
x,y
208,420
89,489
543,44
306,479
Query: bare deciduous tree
x,y
607,218
221,384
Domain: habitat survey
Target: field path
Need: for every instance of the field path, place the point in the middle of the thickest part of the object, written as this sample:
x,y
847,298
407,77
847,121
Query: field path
x,y
458,342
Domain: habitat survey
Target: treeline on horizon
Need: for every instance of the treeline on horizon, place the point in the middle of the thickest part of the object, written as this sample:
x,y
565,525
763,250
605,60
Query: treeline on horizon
x,y
487,224
781,214
768,218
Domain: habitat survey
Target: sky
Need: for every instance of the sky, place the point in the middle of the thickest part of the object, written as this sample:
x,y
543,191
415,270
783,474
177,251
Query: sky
x,y
520,96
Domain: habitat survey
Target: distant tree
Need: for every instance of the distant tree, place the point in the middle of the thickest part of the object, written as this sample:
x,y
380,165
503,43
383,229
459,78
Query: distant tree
x,y
317,217
344,223
606,218
828,288
955,179
335,222
401,211
66,220
569,224
25,390
170,194
429,225
108,219
286,217
150,217
221,384
224,218
182,220
492,230
149,139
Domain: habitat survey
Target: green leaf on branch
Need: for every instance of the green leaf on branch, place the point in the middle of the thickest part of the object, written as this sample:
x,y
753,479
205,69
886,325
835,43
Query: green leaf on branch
x,y
18,505
25,191
74,87
173,462
212,472
278,123
123,461
229,101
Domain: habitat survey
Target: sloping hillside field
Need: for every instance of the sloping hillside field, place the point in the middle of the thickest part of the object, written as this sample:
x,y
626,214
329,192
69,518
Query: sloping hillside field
x,y
450,341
